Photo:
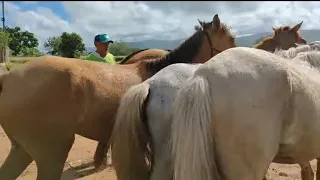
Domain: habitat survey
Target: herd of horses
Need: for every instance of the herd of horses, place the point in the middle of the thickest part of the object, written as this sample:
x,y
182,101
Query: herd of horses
x,y
206,110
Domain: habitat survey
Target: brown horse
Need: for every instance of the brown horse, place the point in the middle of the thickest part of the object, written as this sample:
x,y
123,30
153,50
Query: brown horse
x,y
46,102
147,105
100,155
283,37
144,54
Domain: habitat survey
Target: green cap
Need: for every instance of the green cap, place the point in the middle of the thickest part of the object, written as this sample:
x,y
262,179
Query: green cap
x,y
102,38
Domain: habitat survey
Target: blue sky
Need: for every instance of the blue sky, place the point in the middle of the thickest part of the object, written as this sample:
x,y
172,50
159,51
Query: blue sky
x,y
142,20
55,6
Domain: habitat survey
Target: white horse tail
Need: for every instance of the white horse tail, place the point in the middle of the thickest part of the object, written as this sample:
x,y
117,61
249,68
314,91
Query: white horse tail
x,y
192,137
130,135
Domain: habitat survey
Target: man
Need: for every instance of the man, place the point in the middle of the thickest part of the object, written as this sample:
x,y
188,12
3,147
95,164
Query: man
x,y
102,42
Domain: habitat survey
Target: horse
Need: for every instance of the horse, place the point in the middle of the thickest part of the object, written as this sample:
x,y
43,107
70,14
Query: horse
x,y
143,121
144,54
302,54
215,25
100,155
284,37
240,111
44,103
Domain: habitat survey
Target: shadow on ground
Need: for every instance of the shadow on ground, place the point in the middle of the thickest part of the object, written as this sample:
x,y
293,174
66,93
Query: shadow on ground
x,y
81,170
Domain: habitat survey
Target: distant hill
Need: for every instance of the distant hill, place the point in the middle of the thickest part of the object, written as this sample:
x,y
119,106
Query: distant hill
x,y
246,41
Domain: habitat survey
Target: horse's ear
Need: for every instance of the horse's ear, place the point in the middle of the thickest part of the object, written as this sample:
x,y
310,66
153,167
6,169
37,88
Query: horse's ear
x,y
216,21
201,23
275,30
297,27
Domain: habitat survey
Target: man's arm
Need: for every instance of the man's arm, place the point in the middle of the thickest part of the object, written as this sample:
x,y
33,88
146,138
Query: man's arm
x,y
112,59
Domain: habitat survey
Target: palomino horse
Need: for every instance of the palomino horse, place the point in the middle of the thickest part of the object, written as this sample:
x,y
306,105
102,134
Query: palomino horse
x,y
145,113
44,103
302,54
240,111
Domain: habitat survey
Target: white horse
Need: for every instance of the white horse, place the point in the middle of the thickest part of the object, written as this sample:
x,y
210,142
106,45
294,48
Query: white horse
x,y
241,110
154,98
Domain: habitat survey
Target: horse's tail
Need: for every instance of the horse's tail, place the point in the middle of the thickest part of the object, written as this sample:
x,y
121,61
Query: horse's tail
x,y
192,137
130,135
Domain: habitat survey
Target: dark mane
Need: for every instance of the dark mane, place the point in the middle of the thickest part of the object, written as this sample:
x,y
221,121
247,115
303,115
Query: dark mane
x,y
185,53
131,55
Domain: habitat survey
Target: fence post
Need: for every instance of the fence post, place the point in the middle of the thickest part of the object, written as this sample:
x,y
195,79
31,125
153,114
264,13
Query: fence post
x,y
4,54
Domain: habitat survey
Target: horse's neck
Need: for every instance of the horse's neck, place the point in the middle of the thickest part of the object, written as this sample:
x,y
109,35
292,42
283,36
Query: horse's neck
x,y
187,52
267,45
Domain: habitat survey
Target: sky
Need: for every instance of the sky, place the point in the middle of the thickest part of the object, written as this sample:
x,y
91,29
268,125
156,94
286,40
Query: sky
x,y
142,20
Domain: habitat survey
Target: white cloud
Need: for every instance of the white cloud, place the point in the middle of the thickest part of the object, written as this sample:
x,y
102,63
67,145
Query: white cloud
x,y
160,20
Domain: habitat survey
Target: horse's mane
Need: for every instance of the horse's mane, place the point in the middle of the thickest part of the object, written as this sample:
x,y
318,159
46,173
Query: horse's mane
x,y
308,55
227,29
186,51
294,51
131,55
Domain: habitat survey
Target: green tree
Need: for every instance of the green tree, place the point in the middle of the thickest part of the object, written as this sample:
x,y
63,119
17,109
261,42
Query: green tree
x,y
52,45
120,48
20,39
29,52
71,45
4,38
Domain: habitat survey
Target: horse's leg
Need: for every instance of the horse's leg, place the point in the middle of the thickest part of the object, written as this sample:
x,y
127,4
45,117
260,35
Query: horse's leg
x,y
100,155
16,162
161,165
265,176
318,169
306,171
50,160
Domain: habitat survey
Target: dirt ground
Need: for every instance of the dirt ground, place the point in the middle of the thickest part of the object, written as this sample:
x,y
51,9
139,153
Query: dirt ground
x,y
82,153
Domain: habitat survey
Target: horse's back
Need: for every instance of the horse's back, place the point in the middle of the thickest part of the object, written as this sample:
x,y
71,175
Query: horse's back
x,y
147,54
165,83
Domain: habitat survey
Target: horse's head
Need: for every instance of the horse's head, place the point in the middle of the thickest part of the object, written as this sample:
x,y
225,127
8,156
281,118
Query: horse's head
x,y
218,35
287,37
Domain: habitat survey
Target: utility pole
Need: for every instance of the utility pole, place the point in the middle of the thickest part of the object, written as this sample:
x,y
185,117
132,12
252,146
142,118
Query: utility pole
x,y
3,19
4,49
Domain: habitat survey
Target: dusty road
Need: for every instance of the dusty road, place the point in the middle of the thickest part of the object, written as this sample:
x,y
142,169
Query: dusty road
x,y
83,150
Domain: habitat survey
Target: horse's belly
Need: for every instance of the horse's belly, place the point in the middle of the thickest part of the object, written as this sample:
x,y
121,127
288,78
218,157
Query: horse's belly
x,y
306,149
98,124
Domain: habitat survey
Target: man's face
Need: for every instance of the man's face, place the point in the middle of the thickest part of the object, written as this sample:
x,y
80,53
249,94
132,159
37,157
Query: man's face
x,y
102,46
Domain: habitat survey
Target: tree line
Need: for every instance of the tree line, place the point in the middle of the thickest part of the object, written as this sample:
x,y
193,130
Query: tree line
x,y
25,44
